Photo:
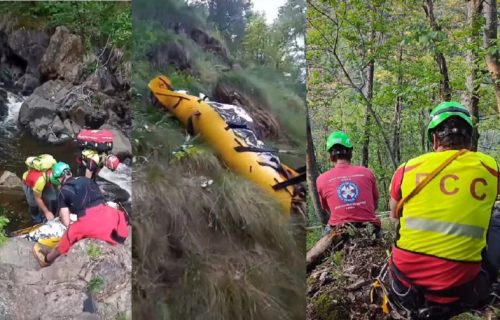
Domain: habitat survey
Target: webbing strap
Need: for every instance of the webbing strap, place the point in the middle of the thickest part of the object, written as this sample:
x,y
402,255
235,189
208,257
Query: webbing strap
x,y
290,182
253,149
426,181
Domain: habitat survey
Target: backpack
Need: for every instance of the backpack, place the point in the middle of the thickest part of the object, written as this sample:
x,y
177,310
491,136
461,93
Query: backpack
x,y
42,162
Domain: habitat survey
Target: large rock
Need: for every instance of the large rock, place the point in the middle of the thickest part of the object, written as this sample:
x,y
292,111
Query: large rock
x,y
172,55
39,116
61,290
121,144
209,43
9,180
34,108
31,46
52,90
26,84
63,58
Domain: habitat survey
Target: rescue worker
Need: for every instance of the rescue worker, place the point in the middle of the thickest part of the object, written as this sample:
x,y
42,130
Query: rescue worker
x,y
91,162
437,269
348,192
40,194
95,219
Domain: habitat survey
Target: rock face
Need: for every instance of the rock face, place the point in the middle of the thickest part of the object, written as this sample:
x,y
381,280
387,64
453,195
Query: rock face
x,y
209,43
69,89
31,46
63,57
171,54
60,290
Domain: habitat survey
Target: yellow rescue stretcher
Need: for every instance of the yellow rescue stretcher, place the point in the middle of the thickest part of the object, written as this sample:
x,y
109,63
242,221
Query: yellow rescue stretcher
x,y
201,118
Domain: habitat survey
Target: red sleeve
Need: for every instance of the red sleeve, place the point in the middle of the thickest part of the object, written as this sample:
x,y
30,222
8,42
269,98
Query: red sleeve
x,y
322,201
397,179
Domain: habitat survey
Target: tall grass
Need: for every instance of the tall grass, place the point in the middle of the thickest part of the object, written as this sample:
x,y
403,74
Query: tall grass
x,y
222,252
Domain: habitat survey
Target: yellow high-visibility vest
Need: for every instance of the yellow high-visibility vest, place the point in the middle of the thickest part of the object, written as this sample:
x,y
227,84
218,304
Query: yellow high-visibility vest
x,y
450,216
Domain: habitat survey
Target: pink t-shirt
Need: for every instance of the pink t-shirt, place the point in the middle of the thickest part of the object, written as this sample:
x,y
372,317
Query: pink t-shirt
x,y
349,193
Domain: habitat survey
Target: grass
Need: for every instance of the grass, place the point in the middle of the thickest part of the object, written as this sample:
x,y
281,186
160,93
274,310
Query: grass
x,y
95,284
3,223
93,251
226,253
121,316
313,236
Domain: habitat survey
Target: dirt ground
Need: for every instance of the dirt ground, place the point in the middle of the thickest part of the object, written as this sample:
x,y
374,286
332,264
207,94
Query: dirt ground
x,y
339,286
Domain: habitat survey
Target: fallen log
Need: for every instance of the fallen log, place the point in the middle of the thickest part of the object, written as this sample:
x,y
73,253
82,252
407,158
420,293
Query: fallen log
x,y
316,253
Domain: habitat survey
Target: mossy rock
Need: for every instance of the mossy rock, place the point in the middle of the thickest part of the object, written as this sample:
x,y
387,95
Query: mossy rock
x,y
328,307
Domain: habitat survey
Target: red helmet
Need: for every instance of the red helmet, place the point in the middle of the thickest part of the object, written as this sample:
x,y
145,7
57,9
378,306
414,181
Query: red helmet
x,y
112,162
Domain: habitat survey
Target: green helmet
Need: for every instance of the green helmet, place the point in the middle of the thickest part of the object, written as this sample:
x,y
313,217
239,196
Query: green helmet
x,y
446,110
58,170
338,137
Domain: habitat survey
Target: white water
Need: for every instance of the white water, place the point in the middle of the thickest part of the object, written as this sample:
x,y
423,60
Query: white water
x,y
122,177
8,126
14,104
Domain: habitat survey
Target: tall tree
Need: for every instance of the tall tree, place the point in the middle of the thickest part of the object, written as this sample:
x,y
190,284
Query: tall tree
x,y
472,84
491,46
230,17
438,55
312,176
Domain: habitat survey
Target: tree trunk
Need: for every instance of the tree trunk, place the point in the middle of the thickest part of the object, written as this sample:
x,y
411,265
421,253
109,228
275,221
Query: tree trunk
x,y
312,175
397,114
315,254
366,140
382,180
472,85
368,92
438,55
490,44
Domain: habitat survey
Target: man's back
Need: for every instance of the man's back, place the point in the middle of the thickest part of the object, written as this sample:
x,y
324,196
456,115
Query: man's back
x,y
349,193
79,194
443,228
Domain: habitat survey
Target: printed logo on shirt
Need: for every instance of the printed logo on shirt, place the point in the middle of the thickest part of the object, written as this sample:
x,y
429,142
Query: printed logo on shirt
x,y
348,192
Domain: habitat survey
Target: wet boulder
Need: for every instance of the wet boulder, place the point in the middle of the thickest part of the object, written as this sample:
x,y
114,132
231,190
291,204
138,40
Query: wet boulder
x,y
35,108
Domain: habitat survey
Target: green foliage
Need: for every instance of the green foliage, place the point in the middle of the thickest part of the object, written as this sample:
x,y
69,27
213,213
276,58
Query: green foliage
x,y
97,22
403,49
186,151
239,12
313,236
337,258
3,223
93,251
121,316
95,284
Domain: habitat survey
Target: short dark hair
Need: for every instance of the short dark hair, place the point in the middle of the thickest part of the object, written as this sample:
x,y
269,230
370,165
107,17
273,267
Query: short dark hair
x,y
453,133
339,152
